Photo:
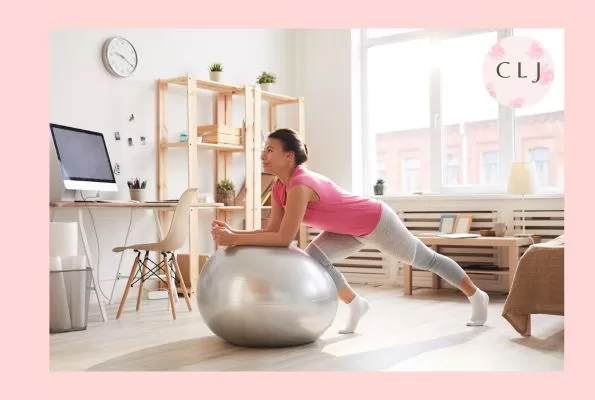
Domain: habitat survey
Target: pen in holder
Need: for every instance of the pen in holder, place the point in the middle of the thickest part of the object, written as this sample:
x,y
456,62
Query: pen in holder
x,y
137,189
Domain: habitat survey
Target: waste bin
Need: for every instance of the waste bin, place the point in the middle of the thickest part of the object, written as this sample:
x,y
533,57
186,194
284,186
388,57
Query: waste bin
x,y
69,299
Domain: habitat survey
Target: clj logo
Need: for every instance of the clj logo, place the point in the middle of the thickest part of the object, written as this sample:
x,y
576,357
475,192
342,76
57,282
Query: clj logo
x,y
518,71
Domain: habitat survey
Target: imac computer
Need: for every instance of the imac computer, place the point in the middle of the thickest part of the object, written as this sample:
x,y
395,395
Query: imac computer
x,y
83,161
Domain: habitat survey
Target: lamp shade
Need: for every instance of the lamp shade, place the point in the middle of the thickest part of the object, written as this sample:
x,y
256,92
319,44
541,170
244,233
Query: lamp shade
x,y
522,178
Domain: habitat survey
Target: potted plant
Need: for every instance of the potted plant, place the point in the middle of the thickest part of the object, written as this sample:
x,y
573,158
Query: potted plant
x,y
137,189
215,71
225,193
379,187
265,80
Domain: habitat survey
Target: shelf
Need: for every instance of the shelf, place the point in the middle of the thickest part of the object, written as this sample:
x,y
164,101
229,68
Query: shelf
x,y
213,146
219,87
239,208
275,98
213,86
222,136
231,208
499,271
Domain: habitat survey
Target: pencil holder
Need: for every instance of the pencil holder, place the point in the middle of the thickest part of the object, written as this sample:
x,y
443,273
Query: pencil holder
x,y
138,195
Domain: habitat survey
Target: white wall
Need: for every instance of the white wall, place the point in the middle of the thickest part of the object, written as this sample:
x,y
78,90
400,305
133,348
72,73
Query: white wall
x,y
325,78
83,94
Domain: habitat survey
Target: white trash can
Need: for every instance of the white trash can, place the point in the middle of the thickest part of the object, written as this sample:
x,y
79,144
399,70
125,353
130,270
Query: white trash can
x,y
69,299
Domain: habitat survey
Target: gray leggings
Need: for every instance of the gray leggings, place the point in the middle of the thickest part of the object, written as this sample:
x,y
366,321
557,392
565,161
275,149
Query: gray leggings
x,y
391,237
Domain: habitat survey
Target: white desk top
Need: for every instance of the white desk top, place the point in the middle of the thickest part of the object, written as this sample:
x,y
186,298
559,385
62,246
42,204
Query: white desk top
x,y
126,204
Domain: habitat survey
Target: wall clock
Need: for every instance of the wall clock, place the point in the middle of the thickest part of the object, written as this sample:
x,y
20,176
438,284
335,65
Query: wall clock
x,y
119,57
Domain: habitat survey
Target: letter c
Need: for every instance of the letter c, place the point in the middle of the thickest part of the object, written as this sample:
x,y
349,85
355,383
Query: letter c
x,y
498,69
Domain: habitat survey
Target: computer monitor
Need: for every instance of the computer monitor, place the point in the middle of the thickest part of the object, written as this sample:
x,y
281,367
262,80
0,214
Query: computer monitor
x,y
83,160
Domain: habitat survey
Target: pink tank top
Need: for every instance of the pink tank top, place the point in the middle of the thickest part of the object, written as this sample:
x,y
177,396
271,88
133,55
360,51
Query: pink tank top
x,y
338,211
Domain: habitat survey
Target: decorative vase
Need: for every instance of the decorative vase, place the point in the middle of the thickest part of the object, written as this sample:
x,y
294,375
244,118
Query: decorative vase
x,y
138,195
265,86
378,189
227,197
215,76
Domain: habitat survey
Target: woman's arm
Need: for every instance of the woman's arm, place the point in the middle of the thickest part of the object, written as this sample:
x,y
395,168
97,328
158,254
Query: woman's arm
x,y
273,223
297,201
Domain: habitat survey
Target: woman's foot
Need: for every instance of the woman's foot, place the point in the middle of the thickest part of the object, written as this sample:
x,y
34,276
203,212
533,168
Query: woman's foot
x,y
479,308
357,308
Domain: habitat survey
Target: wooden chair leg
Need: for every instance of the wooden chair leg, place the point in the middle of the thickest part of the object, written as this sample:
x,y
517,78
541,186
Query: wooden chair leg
x,y
170,290
128,284
184,290
140,286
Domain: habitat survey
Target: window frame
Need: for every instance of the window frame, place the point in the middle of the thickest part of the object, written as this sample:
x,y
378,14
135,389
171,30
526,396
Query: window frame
x,y
506,119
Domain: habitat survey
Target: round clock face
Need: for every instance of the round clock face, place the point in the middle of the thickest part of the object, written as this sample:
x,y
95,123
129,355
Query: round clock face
x,y
119,57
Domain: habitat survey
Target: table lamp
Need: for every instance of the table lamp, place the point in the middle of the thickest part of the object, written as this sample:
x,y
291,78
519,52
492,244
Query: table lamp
x,y
522,180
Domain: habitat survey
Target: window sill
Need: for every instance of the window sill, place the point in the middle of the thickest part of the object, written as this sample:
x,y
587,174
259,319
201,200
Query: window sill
x,y
467,196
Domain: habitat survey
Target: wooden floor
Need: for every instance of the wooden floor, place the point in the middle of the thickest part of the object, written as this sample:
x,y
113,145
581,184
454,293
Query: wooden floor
x,y
424,332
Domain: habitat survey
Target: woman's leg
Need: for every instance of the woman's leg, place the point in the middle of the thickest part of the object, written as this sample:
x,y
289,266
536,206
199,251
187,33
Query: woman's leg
x,y
393,237
326,248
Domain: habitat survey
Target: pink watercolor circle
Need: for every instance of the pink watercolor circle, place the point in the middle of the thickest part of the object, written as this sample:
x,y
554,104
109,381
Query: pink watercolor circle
x,y
518,71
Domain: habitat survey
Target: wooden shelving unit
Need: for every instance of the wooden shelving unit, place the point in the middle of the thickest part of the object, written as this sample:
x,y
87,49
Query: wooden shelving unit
x,y
274,102
224,139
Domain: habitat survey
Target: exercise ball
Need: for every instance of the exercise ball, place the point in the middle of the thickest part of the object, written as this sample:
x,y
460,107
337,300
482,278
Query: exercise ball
x,y
266,296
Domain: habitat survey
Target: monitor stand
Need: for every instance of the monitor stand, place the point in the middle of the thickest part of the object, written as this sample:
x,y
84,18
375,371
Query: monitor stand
x,y
69,195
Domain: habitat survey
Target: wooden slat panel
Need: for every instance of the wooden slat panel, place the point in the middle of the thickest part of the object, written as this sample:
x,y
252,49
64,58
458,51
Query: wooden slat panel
x,y
468,250
543,232
472,259
551,224
368,260
360,262
546,223
360,270
542,214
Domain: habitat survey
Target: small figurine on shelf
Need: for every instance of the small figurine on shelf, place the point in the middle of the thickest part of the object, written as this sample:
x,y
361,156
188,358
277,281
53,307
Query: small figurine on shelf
x,y
225,193
265,80
215,72
137,189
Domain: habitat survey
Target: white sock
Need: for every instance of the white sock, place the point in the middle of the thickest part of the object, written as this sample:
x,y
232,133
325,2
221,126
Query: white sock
x,y
479,308
357,308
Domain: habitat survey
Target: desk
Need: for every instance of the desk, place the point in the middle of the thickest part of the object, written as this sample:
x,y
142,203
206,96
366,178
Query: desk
x,y
156,207
510,242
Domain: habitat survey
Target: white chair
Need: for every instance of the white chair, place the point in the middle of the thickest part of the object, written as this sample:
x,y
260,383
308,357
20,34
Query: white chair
x,y
175,238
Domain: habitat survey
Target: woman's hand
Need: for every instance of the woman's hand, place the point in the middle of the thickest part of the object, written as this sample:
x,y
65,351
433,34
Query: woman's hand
x,y
223,236
220,224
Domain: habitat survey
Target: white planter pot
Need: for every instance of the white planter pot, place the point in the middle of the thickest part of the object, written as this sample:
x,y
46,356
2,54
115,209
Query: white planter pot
x,y
138,195
266,87
215,76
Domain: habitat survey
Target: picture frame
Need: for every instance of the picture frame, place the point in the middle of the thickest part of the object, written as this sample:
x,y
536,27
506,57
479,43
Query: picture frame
x,y
463,223
447,223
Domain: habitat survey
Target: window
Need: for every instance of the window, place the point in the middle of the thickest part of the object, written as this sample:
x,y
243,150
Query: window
x,y
381,168
451,176
411,175
432,126
469,114
489,168
540,156
539,133
398,111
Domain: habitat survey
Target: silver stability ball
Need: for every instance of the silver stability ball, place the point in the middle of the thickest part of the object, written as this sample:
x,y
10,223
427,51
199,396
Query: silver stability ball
x,y
266,296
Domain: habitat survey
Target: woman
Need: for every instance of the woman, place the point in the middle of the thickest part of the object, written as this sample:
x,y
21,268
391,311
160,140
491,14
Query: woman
x,y
348,223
